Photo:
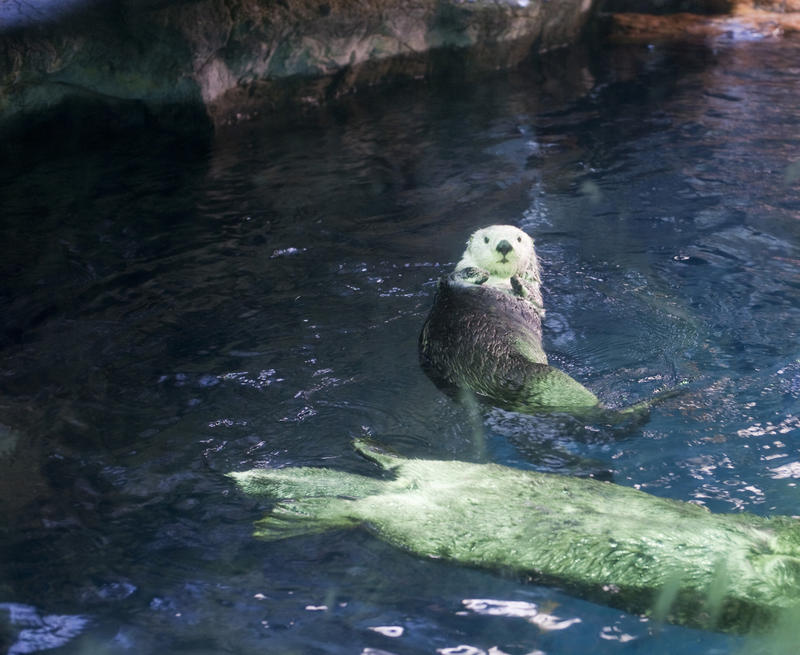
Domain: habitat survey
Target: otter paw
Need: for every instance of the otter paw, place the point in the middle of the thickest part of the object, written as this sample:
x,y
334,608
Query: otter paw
x,y
472,275
518,287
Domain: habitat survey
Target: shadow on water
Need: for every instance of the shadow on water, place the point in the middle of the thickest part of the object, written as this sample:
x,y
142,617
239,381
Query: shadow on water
x,y
254,299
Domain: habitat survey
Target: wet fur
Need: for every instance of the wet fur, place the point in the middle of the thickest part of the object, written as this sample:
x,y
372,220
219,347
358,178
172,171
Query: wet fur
x,y
608,543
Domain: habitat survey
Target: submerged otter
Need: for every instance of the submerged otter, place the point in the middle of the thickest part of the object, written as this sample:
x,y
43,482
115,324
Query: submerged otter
x,y
611,544
484,331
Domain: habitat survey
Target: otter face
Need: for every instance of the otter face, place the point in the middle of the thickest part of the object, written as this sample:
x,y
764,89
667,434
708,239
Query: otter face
x,y
501,250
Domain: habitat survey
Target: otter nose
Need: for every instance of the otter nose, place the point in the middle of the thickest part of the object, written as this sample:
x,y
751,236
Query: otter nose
x,y
504,247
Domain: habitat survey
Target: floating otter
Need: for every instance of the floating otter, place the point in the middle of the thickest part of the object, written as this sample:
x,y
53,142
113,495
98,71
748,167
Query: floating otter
x,y
611,544
484,331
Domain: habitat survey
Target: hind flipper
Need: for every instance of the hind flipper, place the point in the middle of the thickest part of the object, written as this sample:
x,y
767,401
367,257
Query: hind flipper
x,y
313,500
304,482
378,454
304,517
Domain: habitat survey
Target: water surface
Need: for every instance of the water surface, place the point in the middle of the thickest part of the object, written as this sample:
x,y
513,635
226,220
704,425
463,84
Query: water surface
x,y
172,312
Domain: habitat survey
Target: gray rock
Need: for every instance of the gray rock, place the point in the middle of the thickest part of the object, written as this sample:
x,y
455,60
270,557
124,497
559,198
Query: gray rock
x,y
219,60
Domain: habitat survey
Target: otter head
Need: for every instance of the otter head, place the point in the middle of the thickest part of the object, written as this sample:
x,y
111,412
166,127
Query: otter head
x,y
503,251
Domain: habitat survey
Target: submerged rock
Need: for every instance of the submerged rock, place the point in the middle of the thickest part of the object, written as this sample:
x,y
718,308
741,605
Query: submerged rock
x,y
611,544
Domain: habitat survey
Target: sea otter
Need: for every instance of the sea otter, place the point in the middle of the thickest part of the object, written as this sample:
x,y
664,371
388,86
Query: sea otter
x,y
608,543
484,331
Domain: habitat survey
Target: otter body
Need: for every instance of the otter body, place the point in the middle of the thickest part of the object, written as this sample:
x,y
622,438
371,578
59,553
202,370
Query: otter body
x,y
490,342
484,331
608,543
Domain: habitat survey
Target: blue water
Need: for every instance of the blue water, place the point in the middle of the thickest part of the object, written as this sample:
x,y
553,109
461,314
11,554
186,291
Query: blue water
x,y
175,310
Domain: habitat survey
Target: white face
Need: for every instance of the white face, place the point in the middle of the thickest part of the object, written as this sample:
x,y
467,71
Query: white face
x,y
502,250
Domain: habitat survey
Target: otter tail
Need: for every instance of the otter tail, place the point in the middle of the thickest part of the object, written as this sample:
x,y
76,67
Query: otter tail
x,y
310,500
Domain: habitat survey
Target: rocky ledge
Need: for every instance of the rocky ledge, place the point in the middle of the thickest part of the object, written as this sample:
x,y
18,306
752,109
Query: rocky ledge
x,y
217,60
734,20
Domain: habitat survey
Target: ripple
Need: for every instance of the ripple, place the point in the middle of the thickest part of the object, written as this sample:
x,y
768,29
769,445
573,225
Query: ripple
x,y
284,252
263,379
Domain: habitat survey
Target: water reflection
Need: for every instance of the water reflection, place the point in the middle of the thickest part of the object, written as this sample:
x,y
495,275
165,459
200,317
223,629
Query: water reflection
x,y
519,609
33,632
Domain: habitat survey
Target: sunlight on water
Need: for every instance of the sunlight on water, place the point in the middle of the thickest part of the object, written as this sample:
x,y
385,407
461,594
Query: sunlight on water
x,y
519,609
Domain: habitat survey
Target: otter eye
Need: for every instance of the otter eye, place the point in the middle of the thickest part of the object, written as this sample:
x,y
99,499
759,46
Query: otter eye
x,y
486,239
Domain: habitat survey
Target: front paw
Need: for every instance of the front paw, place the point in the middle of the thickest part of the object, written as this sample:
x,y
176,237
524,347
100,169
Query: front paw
x,y
518,288
471,275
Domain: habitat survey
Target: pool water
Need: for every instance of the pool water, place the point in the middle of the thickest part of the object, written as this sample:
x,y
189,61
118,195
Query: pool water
x,y
176,310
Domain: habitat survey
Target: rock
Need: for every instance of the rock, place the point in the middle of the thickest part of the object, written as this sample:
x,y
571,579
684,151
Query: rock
x,y
743,19
215,61
667,6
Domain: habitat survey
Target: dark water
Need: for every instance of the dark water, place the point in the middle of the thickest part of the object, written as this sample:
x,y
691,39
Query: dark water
x,y
175,311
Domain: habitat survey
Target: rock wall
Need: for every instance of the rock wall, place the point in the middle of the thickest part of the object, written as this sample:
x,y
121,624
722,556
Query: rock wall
x,y
196,61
